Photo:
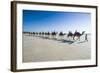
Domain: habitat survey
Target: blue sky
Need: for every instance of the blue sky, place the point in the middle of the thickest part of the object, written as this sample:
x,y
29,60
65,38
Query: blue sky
x,y
44,21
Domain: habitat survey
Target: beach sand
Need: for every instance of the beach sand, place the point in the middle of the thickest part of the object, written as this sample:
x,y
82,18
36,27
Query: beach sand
x,y
39,49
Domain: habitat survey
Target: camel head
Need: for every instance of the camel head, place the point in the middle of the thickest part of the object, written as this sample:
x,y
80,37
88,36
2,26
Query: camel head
x,y
83,32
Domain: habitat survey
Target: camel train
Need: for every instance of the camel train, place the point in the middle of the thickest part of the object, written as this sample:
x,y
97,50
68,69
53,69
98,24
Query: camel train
x,y
53,35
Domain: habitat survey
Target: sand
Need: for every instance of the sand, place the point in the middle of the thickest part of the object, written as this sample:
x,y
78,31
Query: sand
x,y
39,49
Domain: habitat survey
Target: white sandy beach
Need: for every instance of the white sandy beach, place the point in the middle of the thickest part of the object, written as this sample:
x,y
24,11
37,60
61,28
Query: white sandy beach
x,y
37,49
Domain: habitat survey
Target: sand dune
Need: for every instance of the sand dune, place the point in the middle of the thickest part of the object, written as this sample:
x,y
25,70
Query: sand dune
x,y
38,49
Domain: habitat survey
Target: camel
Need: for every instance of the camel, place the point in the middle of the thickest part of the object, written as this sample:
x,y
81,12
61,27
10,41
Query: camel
x,y
78,34
36,33
54,34
29,33
40,33
48,34
33,33
61,34
70,34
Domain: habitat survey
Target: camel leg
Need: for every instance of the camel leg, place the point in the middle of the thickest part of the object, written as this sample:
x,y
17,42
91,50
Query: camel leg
x,y
79,38
73,37
68,37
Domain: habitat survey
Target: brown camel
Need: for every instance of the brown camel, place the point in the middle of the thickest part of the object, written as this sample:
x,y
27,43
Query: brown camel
x,y
78,34
70,34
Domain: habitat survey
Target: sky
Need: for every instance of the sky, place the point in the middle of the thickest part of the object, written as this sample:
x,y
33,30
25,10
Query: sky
x,y
48,21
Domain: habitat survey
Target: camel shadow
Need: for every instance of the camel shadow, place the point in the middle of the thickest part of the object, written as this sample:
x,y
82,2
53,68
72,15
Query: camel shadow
x,y
54,39
61,41
81,42
67,41
45,37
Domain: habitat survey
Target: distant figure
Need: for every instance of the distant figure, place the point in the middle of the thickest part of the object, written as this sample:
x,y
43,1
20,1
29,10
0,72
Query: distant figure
x,y
86,39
